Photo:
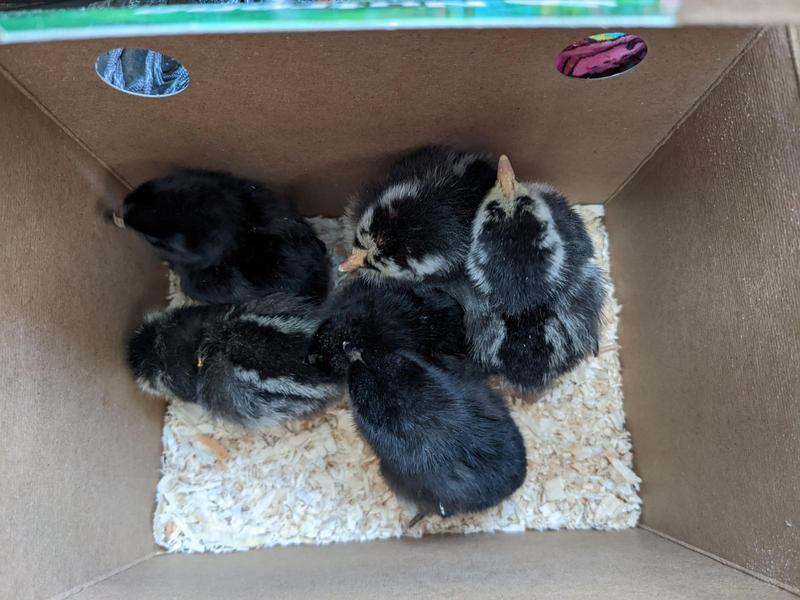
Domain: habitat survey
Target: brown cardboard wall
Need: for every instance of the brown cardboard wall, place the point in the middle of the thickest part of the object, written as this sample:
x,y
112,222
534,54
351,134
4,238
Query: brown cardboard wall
x,y
320,113
79,446
702,239
705,246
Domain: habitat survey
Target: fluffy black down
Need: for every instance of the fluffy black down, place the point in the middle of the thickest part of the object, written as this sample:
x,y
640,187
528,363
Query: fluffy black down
x,y
445,442
230,239
245,364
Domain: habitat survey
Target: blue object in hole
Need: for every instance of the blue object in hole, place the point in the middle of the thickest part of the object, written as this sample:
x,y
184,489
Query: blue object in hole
x,y
142,72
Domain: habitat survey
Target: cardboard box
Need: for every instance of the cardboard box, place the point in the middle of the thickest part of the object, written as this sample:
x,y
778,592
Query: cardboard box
x,y
695,153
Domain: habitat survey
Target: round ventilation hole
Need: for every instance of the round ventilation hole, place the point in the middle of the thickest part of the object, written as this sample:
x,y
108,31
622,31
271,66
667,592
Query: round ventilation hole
x,y
601,55
142,72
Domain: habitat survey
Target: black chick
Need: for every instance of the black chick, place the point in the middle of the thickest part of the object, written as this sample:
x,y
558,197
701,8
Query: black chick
x,y
390,316
416,224
538,295
230,239
245,364
445,442
528,245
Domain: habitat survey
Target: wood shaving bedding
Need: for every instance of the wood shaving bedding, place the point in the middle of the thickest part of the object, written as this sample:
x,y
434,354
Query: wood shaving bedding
x,y
317,482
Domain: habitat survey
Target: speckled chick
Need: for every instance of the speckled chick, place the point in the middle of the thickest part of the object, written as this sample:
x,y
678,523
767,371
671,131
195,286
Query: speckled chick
x,y
389,316
230,239
445,442
244,364
415,225
538,295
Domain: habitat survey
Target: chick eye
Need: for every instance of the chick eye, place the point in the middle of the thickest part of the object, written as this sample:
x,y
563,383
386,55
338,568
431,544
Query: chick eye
x,y
357,243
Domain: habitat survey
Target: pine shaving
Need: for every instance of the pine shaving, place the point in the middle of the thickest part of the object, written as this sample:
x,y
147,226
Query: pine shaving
x,y
216,448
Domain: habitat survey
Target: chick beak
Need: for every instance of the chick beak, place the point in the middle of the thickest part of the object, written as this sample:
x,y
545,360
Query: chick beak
x,y
352,353
118,221
505,177
354,262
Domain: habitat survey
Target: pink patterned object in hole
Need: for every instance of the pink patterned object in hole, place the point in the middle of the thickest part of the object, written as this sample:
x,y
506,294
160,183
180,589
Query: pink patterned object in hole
x,y
601,55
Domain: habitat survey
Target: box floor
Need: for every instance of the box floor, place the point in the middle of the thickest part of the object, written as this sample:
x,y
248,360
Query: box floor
x,y
317,482
633,564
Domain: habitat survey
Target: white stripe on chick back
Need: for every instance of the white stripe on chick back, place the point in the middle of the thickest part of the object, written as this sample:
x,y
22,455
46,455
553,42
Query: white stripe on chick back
x,y
552,238
287,325
428,264
285,385
398,191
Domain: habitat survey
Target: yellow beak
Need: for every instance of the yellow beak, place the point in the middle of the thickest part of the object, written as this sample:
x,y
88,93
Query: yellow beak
x,y
505,177
353,262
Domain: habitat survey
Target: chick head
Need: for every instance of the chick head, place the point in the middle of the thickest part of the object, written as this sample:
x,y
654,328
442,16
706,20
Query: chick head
x,y
167,352
518,254
405,235
181,228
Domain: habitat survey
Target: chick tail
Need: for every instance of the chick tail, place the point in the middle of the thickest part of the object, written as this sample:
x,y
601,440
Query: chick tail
x,y
417,518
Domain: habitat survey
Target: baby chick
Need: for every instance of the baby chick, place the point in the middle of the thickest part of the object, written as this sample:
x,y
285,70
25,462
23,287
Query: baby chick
x,y
415,225
391,316
445,442
244,364
538,295
528,245
231,240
